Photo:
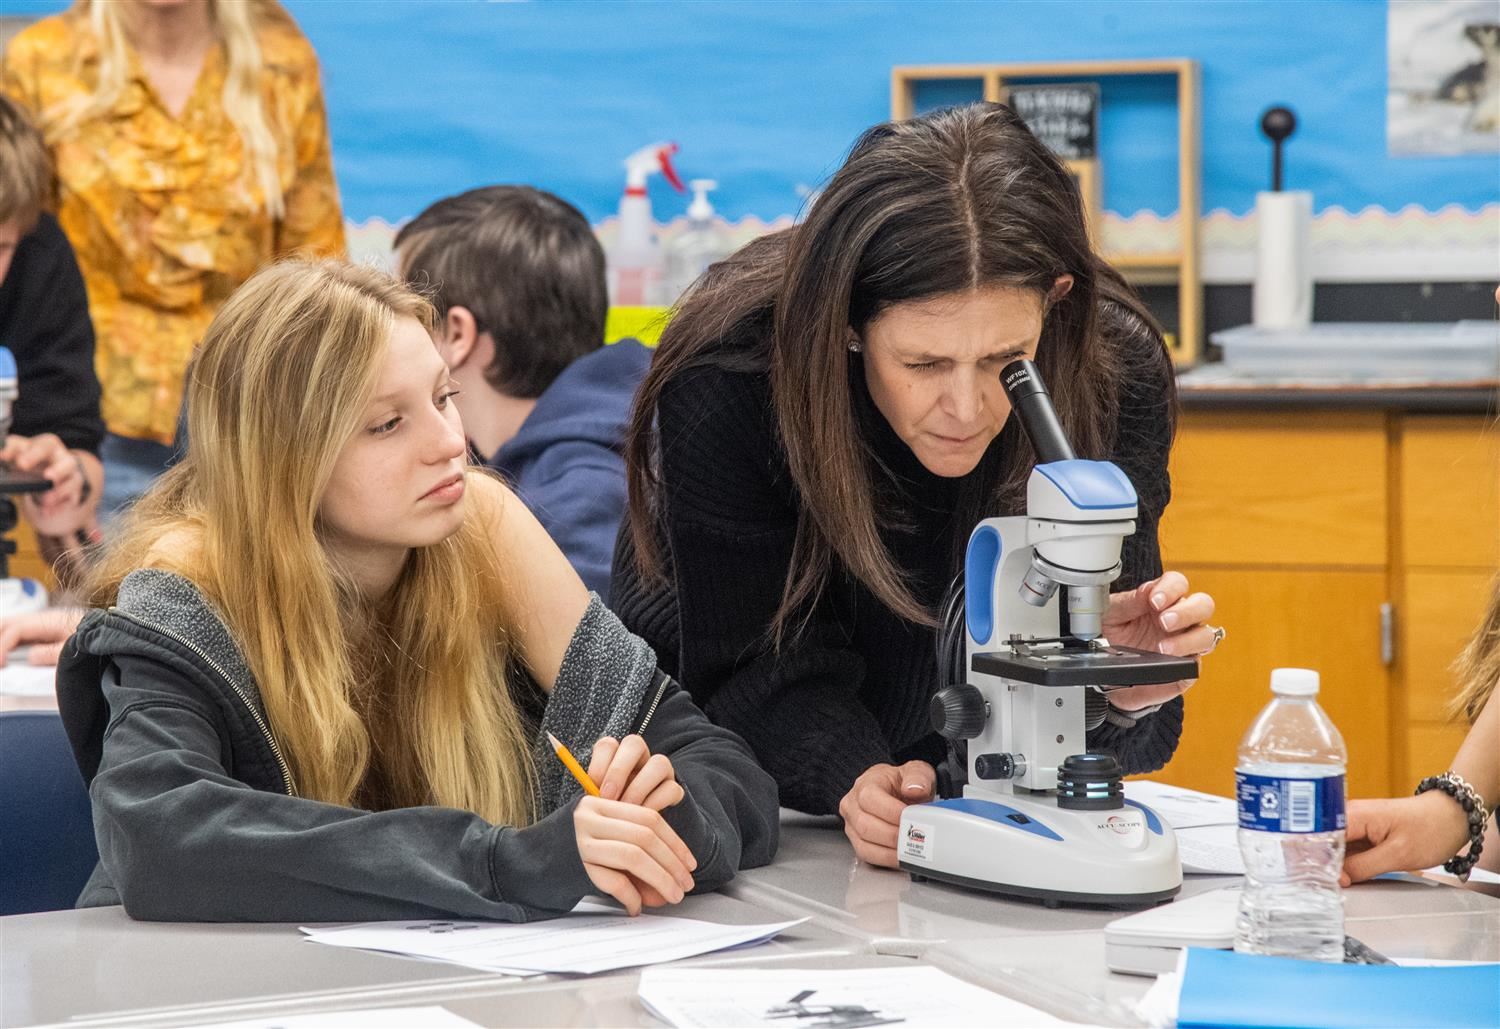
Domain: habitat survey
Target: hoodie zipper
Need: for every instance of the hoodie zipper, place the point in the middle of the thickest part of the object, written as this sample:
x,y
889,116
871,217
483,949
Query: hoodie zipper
x,y
286,772
660,690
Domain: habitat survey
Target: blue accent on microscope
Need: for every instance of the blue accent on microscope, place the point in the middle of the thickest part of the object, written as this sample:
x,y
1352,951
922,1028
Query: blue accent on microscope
x,y
1090,485
996,812
980,562
1152,822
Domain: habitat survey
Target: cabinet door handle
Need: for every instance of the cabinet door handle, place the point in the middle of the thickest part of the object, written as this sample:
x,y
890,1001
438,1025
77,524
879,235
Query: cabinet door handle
x,y
1387,633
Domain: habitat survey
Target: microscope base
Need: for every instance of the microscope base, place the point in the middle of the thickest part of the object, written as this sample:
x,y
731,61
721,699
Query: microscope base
x,y
1026,846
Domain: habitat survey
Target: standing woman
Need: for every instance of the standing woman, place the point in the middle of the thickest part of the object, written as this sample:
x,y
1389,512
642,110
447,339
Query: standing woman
x,y
191,147
824,424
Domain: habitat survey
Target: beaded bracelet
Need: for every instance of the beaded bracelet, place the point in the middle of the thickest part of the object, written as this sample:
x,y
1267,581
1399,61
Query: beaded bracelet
x,y
1468,798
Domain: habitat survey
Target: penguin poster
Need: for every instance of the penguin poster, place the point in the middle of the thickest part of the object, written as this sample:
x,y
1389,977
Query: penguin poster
x,y
1443,93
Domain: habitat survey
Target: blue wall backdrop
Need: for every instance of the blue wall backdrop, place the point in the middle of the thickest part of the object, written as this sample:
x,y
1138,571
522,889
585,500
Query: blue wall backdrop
x,y
428,98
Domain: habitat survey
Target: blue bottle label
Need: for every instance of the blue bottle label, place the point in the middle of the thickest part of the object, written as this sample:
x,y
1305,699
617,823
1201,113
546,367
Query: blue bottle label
x,y
1273,804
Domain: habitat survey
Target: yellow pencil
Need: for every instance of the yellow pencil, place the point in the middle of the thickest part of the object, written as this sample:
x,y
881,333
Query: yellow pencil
x,y
571,764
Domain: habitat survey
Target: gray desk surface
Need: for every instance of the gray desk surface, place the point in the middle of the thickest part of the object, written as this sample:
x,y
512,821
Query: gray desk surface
x,y
98,966
815,873
1066,973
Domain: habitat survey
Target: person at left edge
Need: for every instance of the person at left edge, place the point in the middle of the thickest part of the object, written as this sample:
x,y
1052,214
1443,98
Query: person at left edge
x,y
55,426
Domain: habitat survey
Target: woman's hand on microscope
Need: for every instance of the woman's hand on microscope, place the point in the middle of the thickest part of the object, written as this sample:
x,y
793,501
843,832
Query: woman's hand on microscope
x,y
872,808
1164,616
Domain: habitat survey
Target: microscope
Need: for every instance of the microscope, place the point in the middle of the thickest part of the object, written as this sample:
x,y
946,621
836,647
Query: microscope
x,y
16,595
1040,817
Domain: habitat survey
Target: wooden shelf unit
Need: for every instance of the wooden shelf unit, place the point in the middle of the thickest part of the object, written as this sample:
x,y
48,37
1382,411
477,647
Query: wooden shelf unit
x,y
1182,266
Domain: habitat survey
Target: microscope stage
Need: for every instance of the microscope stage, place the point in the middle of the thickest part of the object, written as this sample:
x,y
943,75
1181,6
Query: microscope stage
x,y
1105,667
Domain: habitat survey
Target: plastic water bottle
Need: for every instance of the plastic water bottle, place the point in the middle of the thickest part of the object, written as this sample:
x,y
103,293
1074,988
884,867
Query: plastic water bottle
x,y
1290,786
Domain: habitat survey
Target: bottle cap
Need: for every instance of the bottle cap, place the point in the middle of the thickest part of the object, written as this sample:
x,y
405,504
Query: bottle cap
x,y
1294,682
700,209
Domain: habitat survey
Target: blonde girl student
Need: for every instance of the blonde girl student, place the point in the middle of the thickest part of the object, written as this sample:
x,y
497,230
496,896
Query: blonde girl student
x,y
325,653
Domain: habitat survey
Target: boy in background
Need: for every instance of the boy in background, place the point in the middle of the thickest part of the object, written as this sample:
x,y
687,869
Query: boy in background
x,y
517,277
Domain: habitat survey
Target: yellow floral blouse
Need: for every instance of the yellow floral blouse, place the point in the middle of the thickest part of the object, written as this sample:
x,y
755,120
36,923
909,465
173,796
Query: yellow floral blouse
x,y
159,209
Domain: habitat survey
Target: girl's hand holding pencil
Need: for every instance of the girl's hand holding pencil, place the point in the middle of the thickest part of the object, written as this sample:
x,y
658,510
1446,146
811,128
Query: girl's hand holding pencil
x,y
627,770
627,848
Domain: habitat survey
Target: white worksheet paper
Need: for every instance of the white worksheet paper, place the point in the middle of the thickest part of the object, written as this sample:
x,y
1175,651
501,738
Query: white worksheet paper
x,y
910,996
19,679
427,1017
579,943
1206,826
1210,850
1183,808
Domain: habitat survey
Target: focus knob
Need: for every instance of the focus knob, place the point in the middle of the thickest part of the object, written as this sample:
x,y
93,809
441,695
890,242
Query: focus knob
x,y
997,766
958,712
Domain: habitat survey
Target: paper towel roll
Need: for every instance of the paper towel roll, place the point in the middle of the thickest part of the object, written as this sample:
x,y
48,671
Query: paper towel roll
x,y
1283,292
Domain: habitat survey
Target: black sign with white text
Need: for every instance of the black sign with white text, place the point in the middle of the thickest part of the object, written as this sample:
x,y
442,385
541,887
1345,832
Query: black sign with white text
x,y
1065,116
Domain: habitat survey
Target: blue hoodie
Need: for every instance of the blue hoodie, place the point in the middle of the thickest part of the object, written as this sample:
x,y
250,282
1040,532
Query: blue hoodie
x,y
567,462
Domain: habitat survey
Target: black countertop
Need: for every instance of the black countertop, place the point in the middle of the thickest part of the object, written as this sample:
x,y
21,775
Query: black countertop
x,y
1209,389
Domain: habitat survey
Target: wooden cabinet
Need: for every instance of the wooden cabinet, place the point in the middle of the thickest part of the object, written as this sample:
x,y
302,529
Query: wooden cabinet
x,y
1261,490
1449,550
1450,492
1278,618
1357,543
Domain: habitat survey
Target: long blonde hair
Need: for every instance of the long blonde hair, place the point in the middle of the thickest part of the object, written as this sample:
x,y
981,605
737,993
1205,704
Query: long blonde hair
x,y
1478,666
411,695
235,23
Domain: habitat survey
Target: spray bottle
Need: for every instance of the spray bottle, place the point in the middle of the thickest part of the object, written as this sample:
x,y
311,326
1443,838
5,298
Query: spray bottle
x,y
699,245
635,261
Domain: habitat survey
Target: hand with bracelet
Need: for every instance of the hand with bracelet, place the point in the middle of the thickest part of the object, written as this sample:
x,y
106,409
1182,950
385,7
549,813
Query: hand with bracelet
x,y
1444,824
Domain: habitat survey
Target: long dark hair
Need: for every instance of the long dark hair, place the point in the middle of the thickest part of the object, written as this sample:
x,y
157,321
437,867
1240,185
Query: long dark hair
x,y
949,202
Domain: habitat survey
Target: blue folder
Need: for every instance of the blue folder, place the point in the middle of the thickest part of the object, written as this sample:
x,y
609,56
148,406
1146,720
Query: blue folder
x,y
1222,988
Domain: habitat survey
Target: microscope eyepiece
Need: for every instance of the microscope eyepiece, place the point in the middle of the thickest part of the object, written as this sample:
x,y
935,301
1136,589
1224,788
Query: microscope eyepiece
x,y
1033,405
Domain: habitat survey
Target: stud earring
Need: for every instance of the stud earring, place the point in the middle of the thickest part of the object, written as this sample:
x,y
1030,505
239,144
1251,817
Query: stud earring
x,y
854,347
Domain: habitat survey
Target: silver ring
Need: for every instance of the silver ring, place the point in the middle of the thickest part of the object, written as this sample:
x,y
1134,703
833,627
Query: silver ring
x,y
1219,634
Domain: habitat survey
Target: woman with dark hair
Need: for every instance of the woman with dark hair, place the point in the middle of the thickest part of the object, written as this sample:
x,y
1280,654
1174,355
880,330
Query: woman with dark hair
x,y
824,424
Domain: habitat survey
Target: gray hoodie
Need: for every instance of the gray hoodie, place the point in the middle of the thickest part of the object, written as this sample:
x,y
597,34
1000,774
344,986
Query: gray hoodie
x,y
197,819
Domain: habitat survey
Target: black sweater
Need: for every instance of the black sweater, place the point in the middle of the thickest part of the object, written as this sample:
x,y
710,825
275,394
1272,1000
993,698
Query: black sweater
x,y
853,689
44,321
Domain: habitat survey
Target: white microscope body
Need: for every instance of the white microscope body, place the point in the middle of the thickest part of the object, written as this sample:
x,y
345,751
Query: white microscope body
x,y
1040,816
